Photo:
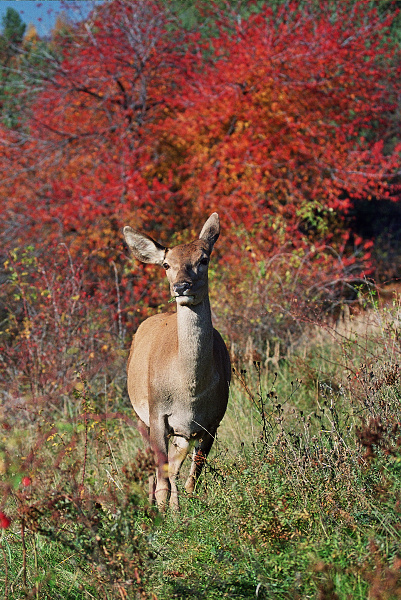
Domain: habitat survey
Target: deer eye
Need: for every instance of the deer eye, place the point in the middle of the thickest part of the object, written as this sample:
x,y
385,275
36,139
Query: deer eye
x,y
166,266
204,261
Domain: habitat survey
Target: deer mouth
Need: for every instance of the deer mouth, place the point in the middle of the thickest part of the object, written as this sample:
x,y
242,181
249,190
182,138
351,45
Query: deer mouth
x,y
189,294
184,299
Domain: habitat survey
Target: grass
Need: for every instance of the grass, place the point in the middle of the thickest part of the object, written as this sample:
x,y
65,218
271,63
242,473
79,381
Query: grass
x,y
283,523
300,497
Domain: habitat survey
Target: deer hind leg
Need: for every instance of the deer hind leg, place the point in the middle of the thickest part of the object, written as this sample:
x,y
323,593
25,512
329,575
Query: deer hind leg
x,y
199,457
177,452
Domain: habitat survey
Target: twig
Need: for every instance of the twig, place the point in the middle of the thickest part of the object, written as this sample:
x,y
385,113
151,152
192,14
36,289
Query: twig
x,y
120,325
23,553
5,573
35,554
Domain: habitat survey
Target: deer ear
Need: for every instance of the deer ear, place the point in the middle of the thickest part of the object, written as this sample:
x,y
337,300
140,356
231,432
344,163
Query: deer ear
x,y
211,230
143,247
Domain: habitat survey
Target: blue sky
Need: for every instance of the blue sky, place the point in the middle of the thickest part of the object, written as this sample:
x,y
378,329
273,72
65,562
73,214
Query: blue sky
x,y
43,14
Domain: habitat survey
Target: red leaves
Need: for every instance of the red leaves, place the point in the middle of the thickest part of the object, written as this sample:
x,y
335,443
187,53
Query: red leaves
x,y
275,121
279,127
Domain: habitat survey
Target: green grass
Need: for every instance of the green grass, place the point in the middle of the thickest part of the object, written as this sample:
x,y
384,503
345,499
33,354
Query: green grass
x,y
300,497
284,527
50,569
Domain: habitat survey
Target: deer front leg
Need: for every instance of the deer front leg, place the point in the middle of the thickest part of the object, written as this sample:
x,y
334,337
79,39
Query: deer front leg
x,y
176,454
199,457
159,444
144,431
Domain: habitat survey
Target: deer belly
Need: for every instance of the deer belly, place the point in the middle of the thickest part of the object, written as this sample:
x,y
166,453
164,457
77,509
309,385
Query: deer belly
x,y
138,394
142,411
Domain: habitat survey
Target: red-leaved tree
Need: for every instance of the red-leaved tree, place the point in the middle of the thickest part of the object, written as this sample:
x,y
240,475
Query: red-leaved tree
x,y
286,124
277,121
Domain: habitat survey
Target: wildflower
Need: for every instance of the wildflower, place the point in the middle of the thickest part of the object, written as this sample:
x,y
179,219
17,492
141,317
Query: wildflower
x,y
26,481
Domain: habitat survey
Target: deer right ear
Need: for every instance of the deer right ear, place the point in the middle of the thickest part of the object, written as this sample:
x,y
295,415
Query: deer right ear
x,y
211,230
143,247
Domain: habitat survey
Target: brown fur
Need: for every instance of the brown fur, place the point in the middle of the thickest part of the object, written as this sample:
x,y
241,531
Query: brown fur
x,y
179,368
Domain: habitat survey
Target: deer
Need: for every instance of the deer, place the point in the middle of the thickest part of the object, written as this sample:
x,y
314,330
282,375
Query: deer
x,y
178,370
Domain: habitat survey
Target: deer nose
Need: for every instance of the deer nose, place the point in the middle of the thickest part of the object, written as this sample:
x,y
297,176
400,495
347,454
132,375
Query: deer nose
x,y
180,288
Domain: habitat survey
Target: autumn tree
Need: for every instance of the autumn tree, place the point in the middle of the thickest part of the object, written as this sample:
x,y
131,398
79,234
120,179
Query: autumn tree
x,y
79,169
277,118
280,132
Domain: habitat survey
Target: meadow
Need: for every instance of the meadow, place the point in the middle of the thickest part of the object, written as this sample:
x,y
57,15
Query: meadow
x,y
299,499
284,118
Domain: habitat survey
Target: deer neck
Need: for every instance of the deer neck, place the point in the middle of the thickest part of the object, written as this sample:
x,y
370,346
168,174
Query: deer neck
x,y
195,345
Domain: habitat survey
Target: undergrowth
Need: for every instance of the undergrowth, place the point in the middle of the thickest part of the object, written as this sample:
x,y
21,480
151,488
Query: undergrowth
x,y
301,497
308,508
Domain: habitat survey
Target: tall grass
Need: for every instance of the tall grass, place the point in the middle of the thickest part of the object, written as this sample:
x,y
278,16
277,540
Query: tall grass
x,y
301,497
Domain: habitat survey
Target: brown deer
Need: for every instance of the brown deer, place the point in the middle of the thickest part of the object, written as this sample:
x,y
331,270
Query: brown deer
x,y
179,368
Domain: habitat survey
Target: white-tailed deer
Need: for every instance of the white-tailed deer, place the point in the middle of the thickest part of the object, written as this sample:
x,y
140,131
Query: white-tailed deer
x,y
179,369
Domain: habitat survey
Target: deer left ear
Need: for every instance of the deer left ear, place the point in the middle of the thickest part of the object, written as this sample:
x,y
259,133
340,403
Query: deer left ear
x,y
143,247
211,230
